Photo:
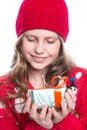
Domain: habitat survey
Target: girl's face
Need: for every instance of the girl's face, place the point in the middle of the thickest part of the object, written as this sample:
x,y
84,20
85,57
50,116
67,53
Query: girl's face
x,y
40,48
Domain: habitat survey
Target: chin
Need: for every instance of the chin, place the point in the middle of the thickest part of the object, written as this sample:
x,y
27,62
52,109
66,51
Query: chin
x,y
38,67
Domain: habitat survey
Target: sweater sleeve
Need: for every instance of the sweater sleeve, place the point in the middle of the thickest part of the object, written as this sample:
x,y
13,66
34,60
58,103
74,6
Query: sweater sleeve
x,y
70,123
8,119
32,125
7,122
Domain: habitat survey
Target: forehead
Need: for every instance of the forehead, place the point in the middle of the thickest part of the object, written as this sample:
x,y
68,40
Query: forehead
x,y
41,32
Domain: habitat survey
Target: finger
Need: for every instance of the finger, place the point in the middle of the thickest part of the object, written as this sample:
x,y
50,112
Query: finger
x,y
56,114
33,111
49,114
64,108
69,101
43,112
57,117
28,105
72,94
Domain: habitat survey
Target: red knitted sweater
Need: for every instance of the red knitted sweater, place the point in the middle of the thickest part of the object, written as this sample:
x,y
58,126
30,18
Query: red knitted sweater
x,y
9,120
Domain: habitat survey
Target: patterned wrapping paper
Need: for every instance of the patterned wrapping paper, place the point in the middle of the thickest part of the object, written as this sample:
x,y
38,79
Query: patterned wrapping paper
x,y
51,97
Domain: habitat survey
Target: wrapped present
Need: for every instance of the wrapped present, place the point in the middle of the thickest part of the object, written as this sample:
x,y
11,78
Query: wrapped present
x,y
51,97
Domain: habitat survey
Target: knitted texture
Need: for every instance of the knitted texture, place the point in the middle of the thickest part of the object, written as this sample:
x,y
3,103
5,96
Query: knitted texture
x,y
43,14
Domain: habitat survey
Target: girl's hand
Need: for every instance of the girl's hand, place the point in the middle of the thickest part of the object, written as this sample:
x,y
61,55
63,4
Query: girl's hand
x,y
43,118
66,108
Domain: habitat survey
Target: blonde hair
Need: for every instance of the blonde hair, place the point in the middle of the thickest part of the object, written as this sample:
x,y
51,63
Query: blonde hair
x,y
19,73
61,65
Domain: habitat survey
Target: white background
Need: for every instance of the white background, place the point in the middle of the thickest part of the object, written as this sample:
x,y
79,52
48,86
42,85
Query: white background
x,y
76,41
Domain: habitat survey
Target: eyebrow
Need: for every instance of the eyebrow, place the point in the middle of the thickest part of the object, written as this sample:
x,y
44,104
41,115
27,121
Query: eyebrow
x,y
53,38
29,35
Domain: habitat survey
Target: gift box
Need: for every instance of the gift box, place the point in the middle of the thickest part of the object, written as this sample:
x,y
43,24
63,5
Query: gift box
x,y
51,97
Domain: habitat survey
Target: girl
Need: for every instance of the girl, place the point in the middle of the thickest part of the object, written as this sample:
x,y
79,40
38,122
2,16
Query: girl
x,y
42,28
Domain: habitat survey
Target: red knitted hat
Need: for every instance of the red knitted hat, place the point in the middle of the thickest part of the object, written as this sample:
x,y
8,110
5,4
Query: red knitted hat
x,y
43,14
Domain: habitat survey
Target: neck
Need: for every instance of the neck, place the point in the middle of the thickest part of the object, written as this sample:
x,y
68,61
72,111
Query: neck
x,y
36,78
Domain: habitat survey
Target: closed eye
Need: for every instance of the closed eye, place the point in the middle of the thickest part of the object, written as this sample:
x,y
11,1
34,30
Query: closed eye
x,y
50,42
30,38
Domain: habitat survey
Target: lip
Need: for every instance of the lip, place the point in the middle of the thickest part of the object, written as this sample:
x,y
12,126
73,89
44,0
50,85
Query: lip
x,y
38,59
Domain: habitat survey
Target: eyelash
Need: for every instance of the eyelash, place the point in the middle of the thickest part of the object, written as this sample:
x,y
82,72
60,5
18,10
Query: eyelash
x,y
50,42
30,40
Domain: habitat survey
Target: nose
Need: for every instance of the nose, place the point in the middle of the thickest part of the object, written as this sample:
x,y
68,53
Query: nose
x,y
39,49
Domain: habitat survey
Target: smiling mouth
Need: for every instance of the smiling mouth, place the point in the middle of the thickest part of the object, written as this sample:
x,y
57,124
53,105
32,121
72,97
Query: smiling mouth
x,y
39,59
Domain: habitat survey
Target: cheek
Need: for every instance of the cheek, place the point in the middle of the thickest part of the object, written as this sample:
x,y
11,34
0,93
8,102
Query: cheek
x,y
25,51
25,48
54,51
